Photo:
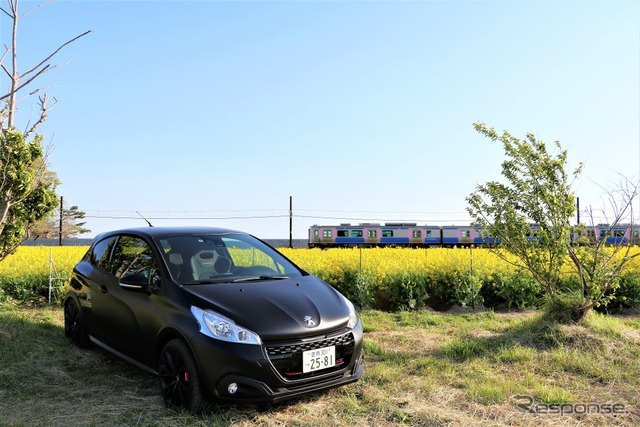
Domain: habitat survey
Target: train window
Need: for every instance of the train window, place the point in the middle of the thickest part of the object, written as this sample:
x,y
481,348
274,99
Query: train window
x,y
356,233
315,233
591,234
372,233
327,233
343,233
618,233
466,233
387,233
635,233
417,233
428,233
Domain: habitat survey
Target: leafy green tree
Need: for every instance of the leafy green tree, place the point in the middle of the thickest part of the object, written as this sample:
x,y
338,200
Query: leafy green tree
x,y
27,188
49,226
538,190
26,195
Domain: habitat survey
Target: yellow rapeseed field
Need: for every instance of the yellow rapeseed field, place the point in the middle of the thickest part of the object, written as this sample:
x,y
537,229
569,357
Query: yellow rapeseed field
x,y
384,262
403,277
377,262
36,260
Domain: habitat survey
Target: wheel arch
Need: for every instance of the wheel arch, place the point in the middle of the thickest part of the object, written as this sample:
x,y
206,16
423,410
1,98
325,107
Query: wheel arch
x,y
168,334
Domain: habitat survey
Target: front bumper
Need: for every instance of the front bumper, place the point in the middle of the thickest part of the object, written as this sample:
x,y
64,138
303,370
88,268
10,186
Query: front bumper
x,y
243,373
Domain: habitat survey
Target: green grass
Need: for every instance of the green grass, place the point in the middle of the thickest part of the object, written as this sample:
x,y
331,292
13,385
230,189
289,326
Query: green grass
x,y
422,368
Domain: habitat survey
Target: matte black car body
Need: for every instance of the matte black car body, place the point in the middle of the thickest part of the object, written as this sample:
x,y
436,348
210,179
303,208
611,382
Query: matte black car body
x,y
168,301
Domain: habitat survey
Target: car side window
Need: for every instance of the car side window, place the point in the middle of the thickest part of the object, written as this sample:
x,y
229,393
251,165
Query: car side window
x,y
133,256
101,253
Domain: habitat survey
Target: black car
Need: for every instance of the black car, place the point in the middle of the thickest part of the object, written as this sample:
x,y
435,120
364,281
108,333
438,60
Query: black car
x,y
217,314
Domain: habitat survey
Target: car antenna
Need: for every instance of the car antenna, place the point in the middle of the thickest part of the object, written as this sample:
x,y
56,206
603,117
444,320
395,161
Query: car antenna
x,y
150,225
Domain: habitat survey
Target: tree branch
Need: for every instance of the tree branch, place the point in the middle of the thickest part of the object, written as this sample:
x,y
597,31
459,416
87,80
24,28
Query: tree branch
x,y
54,53
45,68
17,89
44,110
36,7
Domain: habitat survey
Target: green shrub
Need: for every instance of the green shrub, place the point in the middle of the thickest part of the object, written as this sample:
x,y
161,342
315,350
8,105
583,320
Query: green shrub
x,y
358,288
458,287
626,295
403,291
515,289
27,288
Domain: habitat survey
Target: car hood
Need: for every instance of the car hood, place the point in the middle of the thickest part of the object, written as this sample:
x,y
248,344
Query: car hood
x,y
276,309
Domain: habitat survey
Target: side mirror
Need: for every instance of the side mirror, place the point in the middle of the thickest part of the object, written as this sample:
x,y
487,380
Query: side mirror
x,y
135,281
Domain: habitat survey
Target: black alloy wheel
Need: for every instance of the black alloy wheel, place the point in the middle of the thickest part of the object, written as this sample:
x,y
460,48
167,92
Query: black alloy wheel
x,y
179,378
74,327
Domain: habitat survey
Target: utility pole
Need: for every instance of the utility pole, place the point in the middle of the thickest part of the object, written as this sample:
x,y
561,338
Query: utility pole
x,y
290,222
60,226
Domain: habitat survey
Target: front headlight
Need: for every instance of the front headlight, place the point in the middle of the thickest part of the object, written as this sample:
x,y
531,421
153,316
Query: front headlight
x,y
219,327
353,317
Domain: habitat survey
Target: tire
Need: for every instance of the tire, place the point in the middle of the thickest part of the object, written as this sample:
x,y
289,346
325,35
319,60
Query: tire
x,y
179,378
74,326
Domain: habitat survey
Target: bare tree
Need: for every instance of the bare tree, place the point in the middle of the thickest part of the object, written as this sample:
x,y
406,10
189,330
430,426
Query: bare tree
x,y
603,249
19,80
26,195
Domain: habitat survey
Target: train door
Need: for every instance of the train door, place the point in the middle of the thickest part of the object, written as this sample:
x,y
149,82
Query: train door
x,y
373,237
466,238
415,235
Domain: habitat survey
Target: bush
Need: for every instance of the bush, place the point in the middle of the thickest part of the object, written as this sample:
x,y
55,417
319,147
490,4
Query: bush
x,y
626,295
513,289
358,288
27,288
403,291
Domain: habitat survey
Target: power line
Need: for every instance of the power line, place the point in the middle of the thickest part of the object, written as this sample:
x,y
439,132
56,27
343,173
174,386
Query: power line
x,y
246,217
184,217
319,215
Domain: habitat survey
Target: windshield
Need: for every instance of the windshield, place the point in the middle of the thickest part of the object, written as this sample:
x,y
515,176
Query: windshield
x,y
195,259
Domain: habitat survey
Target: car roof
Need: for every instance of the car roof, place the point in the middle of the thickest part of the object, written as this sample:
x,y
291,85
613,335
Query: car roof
x,y
152,232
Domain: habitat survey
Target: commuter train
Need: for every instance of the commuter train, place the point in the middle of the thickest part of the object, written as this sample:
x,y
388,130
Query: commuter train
x,y
413,235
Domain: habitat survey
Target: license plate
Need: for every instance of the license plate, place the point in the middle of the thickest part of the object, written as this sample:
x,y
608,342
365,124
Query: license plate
x,y
320,358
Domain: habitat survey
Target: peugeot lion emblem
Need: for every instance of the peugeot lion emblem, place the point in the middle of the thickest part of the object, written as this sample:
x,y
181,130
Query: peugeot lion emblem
x,y
309,321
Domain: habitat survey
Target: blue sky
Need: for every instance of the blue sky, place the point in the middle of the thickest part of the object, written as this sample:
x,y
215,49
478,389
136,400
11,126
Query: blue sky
x,y
214,113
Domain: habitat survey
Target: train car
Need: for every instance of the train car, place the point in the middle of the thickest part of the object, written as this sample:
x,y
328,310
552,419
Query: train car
x,y
413,235
453,235
619,234
372,234
327,236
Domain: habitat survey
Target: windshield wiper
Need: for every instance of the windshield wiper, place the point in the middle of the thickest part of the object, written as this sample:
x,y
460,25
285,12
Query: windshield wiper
x,y
207,282
249,279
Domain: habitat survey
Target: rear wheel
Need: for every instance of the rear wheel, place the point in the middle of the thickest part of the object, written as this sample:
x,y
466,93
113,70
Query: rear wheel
x,y
74,327
179,378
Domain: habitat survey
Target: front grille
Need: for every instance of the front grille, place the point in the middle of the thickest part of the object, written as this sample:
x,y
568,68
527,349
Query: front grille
x,y
287,357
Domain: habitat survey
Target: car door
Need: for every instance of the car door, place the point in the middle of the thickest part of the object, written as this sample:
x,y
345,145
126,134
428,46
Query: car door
x,y
125,316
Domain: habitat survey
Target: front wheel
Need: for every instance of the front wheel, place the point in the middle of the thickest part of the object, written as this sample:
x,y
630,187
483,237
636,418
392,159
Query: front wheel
x,y
179,378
